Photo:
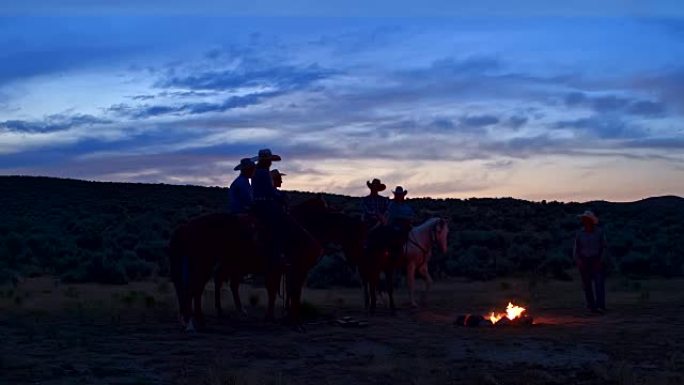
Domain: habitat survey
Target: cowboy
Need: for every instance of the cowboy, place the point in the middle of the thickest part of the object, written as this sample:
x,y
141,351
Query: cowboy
x,y
400,218
266,208
588,253
280,196
241,195
374,206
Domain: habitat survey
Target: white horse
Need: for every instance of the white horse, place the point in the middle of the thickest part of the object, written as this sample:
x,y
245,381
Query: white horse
x,y
418,250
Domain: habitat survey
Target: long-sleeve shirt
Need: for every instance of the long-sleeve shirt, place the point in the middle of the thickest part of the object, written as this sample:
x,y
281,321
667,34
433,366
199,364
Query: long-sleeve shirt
x,y
374,205
241,197
589,245
262,184
400,212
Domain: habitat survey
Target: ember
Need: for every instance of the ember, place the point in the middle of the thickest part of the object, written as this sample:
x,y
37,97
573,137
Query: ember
x,y
514,315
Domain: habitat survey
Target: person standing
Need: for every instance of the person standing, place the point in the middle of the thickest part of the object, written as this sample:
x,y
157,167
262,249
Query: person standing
x,y
588,253
374,206
241,194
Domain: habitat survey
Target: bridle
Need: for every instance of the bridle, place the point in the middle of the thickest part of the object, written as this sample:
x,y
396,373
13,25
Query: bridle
x,y
433,239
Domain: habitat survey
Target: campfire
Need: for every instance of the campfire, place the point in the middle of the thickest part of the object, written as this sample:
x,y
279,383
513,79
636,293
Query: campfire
x,y
513,316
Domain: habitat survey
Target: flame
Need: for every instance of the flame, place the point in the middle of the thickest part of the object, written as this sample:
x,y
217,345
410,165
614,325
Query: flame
x,y
512,312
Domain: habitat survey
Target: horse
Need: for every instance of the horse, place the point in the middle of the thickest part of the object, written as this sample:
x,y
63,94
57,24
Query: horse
x,y
329,226
415,257
418,250
326,226
227,242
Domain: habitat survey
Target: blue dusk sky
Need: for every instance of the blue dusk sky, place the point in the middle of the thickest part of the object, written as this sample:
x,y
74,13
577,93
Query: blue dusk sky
x,y
578,101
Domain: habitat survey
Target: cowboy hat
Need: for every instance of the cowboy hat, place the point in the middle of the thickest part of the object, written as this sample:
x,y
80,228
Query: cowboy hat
x,y
266,154
276,172
590,215
399,191
376,184
244,163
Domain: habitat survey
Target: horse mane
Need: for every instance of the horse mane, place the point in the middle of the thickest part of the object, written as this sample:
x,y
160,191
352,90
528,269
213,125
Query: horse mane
x,y
428,223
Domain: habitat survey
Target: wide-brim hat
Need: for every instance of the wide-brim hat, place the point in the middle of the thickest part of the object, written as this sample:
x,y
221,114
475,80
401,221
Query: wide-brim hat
x,y
244,163
590,215
266,154
276,172
376,185
399,191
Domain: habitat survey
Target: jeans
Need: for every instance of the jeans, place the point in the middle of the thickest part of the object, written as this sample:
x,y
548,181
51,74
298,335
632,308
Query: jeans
x,y
593,282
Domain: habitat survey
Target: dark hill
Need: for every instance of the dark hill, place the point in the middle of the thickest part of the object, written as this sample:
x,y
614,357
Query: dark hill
x,y
114,232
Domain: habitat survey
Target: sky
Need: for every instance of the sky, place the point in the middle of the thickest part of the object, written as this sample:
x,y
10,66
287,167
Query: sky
x,y
575,102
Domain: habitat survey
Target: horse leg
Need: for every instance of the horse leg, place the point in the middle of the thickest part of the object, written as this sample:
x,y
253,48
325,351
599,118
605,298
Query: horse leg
x,y
411,280
184,308
235,281
428,280
218,283
389,276
366,300
295,297
272,283
198,316
373,289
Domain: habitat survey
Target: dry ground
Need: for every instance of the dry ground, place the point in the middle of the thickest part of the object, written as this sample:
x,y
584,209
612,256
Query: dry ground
x,y
53,333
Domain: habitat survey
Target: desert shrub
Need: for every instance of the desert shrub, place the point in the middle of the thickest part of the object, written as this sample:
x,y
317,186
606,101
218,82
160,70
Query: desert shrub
x,y
104,270
635,263
331,271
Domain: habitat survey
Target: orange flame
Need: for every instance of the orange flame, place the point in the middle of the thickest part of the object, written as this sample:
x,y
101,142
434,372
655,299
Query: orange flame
x,y
512,312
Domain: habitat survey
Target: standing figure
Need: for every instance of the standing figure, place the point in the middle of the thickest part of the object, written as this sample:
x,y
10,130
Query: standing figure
x,y
374,206
590,244
241,195
400,221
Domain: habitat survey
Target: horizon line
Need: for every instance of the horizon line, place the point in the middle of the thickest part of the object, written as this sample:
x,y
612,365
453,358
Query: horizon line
x,y
343,195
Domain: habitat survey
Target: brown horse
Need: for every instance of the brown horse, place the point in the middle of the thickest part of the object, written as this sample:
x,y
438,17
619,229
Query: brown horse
x,y
228,243
326,225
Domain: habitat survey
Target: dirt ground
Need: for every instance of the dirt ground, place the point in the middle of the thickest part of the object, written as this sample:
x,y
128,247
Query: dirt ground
x,y
54,333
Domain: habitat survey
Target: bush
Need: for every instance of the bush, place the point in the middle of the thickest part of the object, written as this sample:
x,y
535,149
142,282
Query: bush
x,y
331,271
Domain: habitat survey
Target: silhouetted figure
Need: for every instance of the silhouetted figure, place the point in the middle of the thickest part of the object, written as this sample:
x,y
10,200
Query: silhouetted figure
x,y
269,212
400,220
374,206
280,196
241,194
588,253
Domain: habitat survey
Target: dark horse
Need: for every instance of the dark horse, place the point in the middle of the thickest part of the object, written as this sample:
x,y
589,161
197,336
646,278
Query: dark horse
x,y
329,227
228,243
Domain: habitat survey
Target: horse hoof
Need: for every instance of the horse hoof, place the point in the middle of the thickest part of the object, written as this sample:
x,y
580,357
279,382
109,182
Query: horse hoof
x,y
243,313
190,327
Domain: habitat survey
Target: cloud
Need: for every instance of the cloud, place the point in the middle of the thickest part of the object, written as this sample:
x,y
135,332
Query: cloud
x,y
608,104
603,127
516,122
478,121
52,123
250,74
196,108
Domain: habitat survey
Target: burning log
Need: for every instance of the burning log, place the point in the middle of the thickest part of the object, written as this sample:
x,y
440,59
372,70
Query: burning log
x,y
514,316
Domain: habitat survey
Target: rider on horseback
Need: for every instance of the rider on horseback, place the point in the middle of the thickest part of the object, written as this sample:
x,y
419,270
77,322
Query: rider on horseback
x,y
374,206
280,196
269,212
400,222
241,194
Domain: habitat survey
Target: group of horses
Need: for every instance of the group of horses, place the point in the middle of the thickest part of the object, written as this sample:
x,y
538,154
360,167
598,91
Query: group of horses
x,y
226,247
